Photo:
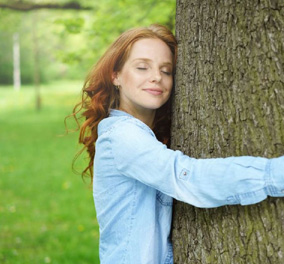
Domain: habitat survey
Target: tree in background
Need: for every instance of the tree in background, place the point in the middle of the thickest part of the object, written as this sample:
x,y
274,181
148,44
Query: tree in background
x,y
229,102
16,62
20,5
69,42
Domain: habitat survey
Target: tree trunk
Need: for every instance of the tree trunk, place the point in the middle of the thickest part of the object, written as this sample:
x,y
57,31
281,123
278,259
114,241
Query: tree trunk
x,y
229,102
36,63
16,62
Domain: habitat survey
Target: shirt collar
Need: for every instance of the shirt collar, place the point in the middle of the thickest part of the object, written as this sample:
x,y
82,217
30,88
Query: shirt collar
x,y
115,112
120,113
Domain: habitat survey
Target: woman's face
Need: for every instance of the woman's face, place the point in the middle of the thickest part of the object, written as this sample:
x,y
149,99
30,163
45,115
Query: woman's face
x,y
146,78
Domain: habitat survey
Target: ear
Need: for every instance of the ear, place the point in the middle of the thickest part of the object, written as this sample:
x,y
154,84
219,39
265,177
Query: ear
x,y
115,79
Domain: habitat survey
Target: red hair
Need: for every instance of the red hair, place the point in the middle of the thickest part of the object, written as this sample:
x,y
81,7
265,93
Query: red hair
x,y
99,94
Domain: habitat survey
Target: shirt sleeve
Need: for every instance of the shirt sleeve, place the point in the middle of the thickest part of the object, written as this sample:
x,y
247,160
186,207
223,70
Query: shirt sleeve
x,y
201,182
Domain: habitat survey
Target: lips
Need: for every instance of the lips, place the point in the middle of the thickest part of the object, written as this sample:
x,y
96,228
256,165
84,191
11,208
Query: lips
x,y
154,91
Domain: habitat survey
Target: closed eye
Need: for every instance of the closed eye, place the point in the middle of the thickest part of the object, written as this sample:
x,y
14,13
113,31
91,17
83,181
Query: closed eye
x,y
141,68
167,73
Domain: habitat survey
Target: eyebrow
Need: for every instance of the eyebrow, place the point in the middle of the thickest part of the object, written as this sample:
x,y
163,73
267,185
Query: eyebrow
x,y
149,60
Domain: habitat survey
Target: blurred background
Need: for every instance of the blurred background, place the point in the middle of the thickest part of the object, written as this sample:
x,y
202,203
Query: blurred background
x,y
47,48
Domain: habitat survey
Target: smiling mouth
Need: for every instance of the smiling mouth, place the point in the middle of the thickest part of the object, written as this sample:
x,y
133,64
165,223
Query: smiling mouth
x,y
154,91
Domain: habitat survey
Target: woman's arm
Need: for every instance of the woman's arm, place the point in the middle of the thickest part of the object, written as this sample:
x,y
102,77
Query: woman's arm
x,y
200,182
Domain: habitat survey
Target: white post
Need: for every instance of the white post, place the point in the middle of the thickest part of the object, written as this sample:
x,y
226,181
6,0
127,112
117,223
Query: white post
x,y
36,62
16,55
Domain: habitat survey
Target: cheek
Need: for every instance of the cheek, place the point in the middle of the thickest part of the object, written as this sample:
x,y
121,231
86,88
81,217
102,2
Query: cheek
x,y
170,85
169,94
128,78
134,80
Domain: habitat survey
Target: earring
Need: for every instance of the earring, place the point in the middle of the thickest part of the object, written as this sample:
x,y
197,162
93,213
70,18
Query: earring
x,y
117,87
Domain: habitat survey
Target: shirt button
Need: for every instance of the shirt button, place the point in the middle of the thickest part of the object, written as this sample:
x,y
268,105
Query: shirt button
x,y
184,173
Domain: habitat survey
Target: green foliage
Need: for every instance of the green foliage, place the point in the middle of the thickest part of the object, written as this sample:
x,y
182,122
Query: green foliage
x,y
114,17
72,25
6,67
71,41
47,212
6,44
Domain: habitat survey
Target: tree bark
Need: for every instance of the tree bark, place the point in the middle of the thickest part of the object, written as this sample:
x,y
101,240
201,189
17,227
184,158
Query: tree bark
x,y
229,101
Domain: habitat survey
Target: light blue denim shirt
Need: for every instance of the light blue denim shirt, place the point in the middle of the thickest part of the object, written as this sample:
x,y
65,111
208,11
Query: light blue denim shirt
x,y
136,178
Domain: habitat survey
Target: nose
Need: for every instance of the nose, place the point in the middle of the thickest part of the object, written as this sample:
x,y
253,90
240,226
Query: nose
x,y
156,76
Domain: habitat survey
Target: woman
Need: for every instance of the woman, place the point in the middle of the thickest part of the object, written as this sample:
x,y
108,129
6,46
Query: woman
x,y
126,103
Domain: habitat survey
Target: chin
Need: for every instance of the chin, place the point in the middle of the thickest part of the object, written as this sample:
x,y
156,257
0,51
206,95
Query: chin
x,y
155,106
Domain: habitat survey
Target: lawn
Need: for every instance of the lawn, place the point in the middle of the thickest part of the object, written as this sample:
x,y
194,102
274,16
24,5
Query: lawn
x,y
47,213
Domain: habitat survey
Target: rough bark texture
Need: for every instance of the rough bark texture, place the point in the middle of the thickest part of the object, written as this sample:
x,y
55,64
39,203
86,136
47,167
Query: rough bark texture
x,y
229,102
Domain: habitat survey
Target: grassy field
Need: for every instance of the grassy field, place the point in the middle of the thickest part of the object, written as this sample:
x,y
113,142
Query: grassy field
x,y
46,211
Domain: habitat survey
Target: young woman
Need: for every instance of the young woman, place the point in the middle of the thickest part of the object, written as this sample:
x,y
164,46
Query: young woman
x,y
126,106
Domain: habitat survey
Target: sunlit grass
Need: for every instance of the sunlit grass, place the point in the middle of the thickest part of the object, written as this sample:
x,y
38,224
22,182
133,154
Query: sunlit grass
x,y
46,211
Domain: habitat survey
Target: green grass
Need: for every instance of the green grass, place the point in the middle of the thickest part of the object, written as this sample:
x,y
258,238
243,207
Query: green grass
x,y
47,213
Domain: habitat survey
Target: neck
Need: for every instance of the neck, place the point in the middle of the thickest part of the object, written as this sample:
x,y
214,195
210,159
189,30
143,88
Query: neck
x,y
146,116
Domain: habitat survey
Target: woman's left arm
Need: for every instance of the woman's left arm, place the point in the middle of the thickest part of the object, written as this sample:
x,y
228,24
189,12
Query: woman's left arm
x,y
200,182
248,179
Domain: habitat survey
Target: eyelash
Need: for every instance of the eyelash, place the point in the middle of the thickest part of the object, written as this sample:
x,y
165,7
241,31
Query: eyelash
x,y
167,73
144,69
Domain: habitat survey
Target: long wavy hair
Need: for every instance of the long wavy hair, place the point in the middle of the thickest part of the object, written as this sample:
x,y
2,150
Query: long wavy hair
x,y
99,93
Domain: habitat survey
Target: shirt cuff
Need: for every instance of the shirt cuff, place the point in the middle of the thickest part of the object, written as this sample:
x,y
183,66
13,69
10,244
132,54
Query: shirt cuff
x,y
275,180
